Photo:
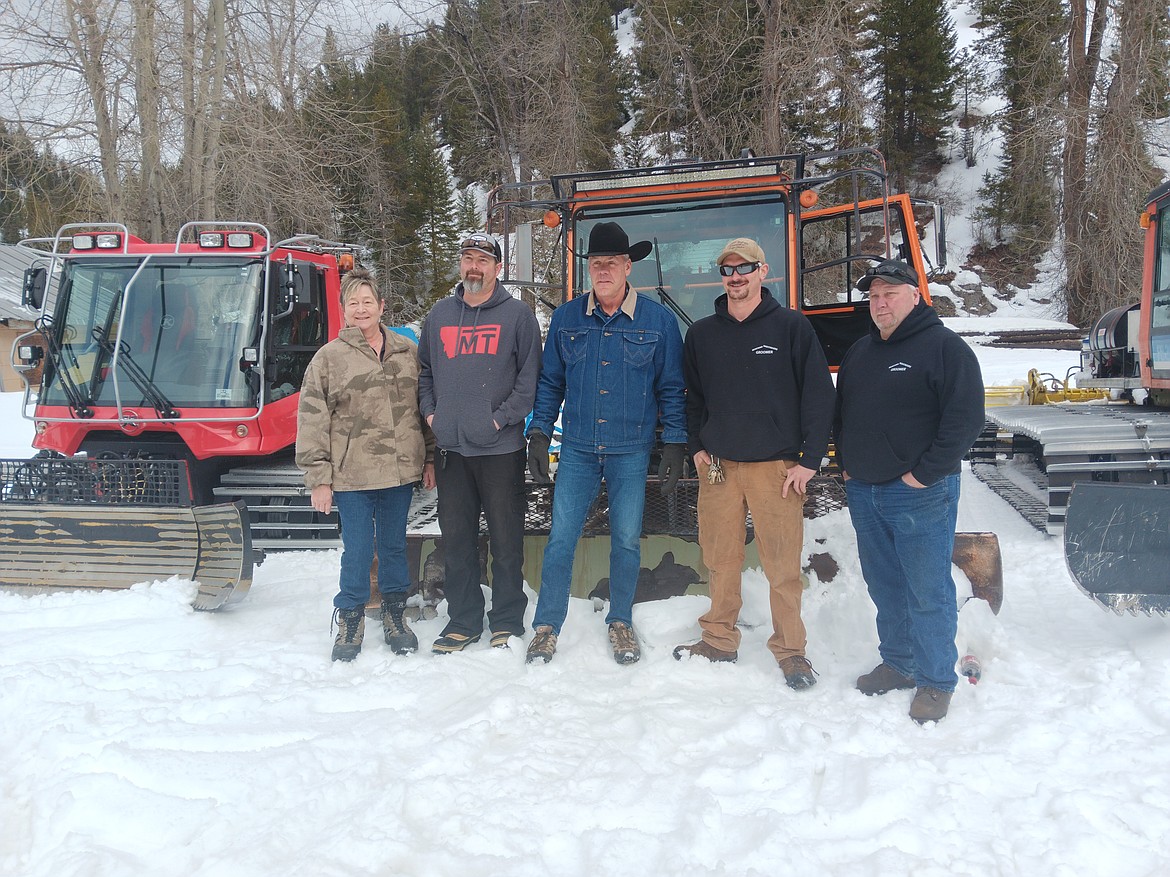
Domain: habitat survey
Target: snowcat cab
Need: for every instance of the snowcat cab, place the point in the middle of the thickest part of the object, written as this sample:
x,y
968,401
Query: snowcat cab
x,y
166,367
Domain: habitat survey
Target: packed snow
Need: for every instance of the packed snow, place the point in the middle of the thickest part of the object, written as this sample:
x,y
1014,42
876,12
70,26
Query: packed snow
x,y
140,737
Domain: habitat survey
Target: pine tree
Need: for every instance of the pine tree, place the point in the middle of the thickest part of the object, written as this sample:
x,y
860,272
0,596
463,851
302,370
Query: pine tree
x,y
39,192
467,218
436,231
528,89
914,45
1020,196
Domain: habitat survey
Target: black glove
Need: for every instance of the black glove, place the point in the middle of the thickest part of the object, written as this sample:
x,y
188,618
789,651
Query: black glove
x,y
671,467
538,444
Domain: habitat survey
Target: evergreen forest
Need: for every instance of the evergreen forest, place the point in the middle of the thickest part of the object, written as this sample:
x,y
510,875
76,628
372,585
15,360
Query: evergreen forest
x,y
389,132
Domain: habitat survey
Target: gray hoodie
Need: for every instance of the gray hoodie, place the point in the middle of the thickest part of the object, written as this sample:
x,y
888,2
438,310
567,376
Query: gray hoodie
x,y
479,364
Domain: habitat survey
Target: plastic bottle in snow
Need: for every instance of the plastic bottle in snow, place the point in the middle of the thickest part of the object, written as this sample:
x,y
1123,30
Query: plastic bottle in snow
x,y
971,668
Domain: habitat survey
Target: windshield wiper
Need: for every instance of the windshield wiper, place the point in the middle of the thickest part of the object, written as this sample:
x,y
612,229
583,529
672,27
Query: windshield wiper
x,y
154,397
77,402
664,296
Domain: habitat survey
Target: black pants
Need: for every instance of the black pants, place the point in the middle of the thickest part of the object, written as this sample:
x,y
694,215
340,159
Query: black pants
x,y
494,483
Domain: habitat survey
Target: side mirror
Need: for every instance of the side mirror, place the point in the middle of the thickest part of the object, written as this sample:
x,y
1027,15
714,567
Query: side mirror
x,y
32,293
289,276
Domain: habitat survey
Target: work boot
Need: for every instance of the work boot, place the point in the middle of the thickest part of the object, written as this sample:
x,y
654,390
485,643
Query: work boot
x,y
500,638
543,645
929,705
399,636
449,643
703,649
881,679
625,643
351,629
798,672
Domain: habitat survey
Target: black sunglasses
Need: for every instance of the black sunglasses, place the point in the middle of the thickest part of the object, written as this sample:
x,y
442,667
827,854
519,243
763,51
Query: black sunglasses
x,y
745,268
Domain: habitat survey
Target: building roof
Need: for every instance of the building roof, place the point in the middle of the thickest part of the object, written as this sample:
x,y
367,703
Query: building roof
x,y
13,260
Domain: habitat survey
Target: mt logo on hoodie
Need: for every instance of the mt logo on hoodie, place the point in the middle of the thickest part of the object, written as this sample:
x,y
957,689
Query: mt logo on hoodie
x,y
466,340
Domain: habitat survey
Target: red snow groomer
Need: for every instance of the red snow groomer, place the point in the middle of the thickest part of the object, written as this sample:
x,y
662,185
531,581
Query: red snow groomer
x,y
166,411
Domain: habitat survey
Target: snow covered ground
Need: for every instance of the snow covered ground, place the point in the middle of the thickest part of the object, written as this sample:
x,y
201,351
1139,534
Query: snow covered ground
x,y
138,737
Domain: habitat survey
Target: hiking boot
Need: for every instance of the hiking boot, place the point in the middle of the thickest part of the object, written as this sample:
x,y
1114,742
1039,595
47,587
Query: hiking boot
x,y
929,705
399,636
703,649
624,642
351,629
543,645
798,672
881,679
500,639
453,642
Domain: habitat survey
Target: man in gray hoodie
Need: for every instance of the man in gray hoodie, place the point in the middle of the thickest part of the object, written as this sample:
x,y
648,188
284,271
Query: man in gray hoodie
x,y
479,357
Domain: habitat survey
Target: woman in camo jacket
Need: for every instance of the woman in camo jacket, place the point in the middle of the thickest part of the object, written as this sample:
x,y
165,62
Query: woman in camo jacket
x,y
363,446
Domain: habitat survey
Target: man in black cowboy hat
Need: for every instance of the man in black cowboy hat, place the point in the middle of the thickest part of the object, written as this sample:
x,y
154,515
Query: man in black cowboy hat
x,y
614,358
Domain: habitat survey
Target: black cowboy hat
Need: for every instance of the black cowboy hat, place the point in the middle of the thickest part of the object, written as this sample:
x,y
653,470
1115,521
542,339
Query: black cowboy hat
x,y
610,239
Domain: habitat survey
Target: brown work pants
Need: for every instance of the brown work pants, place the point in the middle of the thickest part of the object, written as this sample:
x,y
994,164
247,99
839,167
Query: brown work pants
x,y
779,527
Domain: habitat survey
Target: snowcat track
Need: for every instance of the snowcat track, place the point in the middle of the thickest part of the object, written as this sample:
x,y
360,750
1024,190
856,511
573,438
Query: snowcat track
x,y
1079,442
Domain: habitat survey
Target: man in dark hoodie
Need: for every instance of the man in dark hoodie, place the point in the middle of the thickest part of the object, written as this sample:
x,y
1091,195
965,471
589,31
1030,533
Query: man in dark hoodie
x,y
909,406
759,406
479,357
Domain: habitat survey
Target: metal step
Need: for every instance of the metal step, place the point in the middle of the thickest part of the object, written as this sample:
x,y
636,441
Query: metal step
x,y
295,544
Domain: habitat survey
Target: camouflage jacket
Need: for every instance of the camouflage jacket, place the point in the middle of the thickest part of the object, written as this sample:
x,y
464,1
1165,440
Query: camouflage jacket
x,y
358,423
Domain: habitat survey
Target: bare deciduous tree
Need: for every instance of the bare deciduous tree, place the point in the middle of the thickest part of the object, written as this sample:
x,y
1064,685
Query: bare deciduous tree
x,y
189,110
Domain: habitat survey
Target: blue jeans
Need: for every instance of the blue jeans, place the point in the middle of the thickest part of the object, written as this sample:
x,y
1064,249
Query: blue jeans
x,y
373,519
905,538
579,477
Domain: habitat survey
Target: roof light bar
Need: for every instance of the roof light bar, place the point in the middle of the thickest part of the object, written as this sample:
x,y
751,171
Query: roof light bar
x,y
677,177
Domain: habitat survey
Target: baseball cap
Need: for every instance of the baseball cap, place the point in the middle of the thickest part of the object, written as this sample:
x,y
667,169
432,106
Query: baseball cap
x,y
745,248
481,243
890,271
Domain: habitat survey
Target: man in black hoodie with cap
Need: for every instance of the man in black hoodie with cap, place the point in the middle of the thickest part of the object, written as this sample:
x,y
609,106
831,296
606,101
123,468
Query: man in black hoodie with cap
x,y
909,406
759,407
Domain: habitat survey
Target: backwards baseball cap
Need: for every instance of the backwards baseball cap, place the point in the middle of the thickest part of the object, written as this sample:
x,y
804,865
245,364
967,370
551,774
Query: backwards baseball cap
x,y
481,243
890,271
745,248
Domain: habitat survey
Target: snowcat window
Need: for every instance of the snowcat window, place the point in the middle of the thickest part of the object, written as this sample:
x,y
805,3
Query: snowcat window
x,y
688,238
838,248
186,321
1160,301
297,332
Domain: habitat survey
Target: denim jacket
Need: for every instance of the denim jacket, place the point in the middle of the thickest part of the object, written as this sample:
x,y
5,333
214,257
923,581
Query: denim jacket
x,y
616,376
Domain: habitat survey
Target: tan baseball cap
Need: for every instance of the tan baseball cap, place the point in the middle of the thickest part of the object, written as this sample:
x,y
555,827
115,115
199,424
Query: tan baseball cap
x,y
745,248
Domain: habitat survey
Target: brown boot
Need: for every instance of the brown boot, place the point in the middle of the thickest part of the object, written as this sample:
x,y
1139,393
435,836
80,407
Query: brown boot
x,y
625,643
798,672
703,649
881,679
929,705
543,645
